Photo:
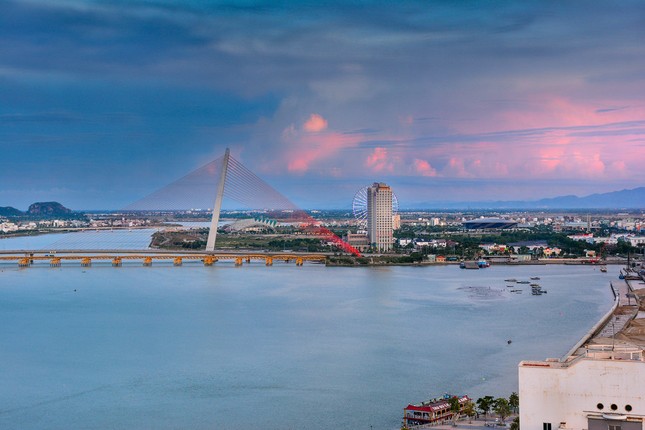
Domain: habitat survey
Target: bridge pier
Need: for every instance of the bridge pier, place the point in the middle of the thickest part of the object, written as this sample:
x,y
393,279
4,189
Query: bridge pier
x,y
55,262
178,261
147,261
268,261
86,262
238,261
209,260
117,262
24,262
299,261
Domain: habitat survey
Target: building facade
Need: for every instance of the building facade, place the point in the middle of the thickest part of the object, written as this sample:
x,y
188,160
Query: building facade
x,y
600,383
379,217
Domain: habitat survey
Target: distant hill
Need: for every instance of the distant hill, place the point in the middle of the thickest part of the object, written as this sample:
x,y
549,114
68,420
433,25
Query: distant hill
x,y
627,199
48,209
38,209
9,211
623,199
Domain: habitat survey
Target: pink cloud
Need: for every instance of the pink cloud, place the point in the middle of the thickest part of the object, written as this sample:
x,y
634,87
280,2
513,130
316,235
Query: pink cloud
x,y
457,167
315,124
305,149
379,161
424,168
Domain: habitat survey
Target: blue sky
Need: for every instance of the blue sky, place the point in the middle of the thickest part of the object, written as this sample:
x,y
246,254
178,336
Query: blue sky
x,y
102,102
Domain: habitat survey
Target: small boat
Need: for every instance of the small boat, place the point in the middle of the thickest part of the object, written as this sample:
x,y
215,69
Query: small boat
x,y
523,282
535,285
603,269
535,278
510,280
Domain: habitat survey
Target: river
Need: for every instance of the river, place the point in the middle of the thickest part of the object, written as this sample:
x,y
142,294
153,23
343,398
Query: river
x,y
280,347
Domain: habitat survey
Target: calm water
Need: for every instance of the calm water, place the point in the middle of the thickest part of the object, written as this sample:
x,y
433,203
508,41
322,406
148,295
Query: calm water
x,y
272,348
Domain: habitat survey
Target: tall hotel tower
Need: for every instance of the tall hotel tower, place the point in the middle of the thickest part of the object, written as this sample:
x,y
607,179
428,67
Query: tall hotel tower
x,y
379,216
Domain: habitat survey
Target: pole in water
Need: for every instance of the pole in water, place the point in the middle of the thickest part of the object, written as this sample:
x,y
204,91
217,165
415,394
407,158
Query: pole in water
x,y
212,233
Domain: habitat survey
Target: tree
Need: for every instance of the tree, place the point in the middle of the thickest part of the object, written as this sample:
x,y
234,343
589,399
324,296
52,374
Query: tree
x,y
484,404
455,408
514,401
502,408
469,409
515,425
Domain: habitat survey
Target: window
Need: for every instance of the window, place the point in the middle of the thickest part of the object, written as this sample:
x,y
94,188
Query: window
x,y
614,427
613,407
547,426
628,408
600,406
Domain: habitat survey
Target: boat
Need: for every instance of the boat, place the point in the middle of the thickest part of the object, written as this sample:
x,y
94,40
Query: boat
x,y
523,282
535,278
535,285
603,269
510,280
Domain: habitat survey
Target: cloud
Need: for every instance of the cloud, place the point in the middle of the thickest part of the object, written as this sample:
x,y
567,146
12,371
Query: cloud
x,y
313,143
424,168
379,161
504,91
315,124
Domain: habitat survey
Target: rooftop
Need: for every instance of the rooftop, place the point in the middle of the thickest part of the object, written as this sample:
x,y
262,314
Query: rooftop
x,y
619,335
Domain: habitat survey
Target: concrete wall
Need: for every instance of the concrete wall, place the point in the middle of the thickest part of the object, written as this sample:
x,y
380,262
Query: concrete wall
x,y
569,394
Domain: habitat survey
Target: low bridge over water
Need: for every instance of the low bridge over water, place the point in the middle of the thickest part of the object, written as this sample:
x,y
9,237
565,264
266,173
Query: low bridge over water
x,y
26,258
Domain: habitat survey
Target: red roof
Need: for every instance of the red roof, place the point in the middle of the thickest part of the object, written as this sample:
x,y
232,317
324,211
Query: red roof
x,y
434,407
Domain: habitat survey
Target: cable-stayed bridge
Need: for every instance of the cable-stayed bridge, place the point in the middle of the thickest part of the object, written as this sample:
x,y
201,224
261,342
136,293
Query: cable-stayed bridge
x,y
224,178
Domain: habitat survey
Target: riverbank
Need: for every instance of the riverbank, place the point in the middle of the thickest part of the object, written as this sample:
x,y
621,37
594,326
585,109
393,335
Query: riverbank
x,y
350,261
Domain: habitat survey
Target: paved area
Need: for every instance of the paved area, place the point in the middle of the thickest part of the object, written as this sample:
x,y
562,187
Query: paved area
x,y
467,424
624,313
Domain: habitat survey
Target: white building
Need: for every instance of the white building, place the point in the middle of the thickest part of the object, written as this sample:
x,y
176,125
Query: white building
x,y
379,217
599,384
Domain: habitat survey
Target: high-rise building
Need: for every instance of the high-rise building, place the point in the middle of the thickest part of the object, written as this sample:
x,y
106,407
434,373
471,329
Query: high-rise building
x,y
379,216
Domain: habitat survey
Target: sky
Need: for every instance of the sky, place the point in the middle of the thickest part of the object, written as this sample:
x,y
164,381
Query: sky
x,y
102,102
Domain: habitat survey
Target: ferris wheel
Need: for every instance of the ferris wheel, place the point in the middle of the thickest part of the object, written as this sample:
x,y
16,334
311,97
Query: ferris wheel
x,y
359,206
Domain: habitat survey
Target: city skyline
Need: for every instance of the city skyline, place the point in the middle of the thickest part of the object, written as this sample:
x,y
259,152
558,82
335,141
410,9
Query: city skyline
x,y
104,102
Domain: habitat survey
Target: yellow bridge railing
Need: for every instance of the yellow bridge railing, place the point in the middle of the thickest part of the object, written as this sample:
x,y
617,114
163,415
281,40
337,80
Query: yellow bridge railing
x,y
147,260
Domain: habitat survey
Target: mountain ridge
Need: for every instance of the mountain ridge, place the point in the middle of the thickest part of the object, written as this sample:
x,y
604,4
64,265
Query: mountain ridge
x,y
41,209
622,199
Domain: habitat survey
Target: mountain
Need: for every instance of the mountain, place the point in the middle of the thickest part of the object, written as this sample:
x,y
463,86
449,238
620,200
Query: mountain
x,y
48,209
623,199
9,211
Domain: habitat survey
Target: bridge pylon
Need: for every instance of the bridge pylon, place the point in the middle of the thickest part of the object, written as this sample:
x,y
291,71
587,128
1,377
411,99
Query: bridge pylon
x,y
212,233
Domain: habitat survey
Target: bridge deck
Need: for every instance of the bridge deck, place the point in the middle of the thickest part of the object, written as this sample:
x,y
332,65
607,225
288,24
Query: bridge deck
x,y
26,258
